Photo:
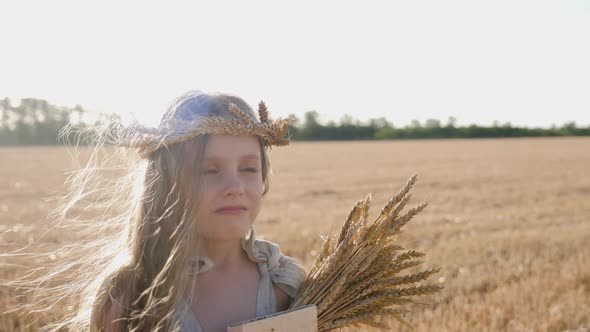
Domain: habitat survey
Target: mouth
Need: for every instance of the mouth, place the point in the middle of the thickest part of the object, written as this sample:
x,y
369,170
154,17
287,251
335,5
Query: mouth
x,y
231,209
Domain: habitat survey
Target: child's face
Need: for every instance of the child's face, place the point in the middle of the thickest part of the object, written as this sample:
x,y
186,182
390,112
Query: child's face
x,y
231,176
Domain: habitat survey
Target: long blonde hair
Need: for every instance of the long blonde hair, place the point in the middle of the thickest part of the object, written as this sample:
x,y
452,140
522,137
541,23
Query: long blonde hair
x,y
140,251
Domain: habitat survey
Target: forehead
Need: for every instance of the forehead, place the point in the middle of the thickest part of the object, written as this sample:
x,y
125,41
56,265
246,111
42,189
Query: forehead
x,y
229,147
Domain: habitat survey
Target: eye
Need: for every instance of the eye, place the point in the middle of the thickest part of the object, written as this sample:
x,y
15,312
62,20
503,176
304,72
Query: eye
x,y
209,171
251,169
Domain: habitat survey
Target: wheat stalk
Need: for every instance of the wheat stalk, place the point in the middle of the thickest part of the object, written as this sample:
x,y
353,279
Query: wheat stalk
x,y
356,278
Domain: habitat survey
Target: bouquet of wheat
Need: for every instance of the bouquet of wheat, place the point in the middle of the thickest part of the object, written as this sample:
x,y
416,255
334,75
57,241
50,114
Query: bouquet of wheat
x,y
357,278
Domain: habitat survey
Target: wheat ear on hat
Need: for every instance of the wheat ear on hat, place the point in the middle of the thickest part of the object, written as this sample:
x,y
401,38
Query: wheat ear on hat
x,y
241,115
262,112
357,278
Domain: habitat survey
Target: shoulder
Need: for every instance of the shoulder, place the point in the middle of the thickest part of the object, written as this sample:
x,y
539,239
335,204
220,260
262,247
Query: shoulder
x,y
286,272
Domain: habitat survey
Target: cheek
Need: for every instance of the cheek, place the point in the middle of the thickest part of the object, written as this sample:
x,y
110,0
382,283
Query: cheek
x,y
255,209
256,197
204,188
203,198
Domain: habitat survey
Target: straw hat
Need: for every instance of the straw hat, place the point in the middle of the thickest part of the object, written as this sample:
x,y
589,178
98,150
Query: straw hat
x,y
196,114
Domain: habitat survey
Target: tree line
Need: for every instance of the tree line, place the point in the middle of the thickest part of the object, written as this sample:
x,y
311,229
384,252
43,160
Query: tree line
x,y
36,122
380,128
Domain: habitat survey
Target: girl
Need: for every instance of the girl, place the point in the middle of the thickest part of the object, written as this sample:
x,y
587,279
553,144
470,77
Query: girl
x,y
207,173
181,252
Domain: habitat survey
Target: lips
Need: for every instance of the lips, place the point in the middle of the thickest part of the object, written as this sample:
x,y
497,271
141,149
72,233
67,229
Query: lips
x,y
231,208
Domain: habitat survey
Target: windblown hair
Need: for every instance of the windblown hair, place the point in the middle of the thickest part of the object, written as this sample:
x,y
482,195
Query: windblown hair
x,y
139,251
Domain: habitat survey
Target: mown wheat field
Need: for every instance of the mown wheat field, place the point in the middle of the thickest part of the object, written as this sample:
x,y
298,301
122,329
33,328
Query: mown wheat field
x,y
508,220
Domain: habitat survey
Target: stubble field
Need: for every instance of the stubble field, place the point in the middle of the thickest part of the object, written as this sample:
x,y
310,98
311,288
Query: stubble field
x,y
508,220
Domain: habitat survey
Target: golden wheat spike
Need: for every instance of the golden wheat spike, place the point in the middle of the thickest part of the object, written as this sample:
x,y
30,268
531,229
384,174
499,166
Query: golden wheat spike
x,y
402,203
262,112
395,199
410,254
354,216
407,279
413,291
324,252
399,222
241,115
367,205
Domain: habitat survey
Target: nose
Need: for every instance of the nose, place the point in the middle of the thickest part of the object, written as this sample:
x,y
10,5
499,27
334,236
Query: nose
x,y
233,187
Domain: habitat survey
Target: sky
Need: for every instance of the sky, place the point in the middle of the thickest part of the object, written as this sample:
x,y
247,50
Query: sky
x,y
524,62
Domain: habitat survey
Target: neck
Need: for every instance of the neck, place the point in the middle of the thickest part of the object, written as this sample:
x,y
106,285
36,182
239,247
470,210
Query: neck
x,y
223,254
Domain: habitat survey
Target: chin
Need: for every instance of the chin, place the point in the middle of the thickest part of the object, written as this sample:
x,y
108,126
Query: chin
x,y
230,231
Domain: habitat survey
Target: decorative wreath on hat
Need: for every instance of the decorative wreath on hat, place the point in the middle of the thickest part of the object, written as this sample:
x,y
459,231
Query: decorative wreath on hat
x,y
176,130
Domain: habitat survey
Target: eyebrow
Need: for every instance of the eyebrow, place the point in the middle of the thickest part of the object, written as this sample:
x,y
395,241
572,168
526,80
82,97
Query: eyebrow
x,y
247,156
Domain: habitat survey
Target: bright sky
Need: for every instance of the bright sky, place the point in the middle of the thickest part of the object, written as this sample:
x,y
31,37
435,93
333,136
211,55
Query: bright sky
x,y
527,62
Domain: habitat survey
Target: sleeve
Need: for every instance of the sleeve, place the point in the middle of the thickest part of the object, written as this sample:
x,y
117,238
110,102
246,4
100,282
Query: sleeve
x,y
288,275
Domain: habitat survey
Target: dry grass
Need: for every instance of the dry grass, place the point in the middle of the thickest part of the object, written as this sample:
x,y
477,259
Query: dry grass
x,y
508,220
